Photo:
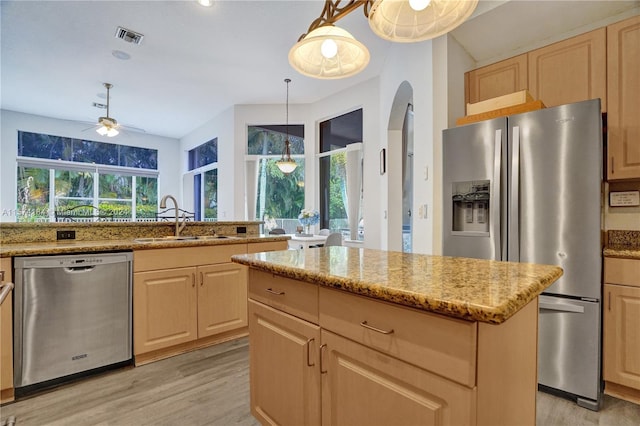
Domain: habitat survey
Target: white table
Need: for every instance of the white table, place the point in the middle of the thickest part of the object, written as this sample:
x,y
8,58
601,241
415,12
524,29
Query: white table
x,y
299,242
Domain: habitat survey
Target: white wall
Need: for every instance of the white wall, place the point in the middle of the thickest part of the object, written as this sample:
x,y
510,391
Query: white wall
x,y
11,122
411,63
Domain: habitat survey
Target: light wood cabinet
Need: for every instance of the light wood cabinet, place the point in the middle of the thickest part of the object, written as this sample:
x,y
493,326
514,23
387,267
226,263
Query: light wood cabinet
x,y
571,70
285,378
623,127
363,386
369,362
187,298
267,246
621,335
6,338
501,78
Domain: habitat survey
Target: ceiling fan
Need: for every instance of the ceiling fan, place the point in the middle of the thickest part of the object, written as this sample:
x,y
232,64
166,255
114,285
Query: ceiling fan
x,y
107,126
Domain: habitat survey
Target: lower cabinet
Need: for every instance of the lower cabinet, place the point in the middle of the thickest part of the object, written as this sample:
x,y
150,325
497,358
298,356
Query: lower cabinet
x,y
6,338
621,334
322,356
185,298
363,386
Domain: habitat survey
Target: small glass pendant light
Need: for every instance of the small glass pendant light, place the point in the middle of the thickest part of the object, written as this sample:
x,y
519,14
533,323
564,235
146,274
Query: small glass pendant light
x,y
286,164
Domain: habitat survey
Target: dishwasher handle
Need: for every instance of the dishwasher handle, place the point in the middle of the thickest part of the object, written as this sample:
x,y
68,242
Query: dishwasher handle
x,y
78,269
6,289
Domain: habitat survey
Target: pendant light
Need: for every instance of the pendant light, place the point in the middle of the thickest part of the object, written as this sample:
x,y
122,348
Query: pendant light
x,y
329,52
417,20
286,164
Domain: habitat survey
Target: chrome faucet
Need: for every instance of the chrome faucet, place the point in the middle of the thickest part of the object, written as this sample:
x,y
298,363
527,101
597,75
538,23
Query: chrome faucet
x,y
163,205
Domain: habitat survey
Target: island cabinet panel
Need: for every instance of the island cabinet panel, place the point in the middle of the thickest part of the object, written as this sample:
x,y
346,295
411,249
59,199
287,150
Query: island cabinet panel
x,y
623,129
165,312
6,337
571,70
284,365
361,386
222,301
501,78
442,345
621,334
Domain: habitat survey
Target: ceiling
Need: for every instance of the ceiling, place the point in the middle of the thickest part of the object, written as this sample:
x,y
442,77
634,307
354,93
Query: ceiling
x,y
195,62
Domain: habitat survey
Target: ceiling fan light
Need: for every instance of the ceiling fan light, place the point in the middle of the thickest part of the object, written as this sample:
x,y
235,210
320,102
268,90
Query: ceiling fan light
x,y
102,130
396,20
307,57
112,132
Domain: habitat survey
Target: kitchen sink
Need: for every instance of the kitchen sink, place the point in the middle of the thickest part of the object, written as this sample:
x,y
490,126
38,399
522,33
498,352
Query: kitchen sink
x,y
183,238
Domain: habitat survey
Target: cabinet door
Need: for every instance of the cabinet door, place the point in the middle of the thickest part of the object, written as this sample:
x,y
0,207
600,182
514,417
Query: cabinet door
x,y
501,78
6,338
363,386
222,298
165,308
284,365
571,70
623,50
622,335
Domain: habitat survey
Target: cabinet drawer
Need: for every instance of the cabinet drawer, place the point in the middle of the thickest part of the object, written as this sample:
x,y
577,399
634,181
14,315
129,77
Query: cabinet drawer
x,y
297,298
267,246
182,257
433,342
622,271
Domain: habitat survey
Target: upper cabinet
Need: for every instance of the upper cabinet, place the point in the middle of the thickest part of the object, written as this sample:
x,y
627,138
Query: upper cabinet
x,y
497,79
623,118
603,64
570,71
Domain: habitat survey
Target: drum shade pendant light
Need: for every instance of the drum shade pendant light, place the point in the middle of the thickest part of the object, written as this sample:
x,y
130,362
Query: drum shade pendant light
x,y
329,52
286,164
418,20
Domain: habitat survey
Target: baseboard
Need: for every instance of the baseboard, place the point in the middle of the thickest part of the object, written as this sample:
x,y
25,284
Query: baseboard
x,y
622,392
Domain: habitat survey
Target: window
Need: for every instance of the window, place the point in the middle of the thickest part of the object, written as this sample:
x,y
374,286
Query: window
x,y
272,195
340,162
203,160
56,173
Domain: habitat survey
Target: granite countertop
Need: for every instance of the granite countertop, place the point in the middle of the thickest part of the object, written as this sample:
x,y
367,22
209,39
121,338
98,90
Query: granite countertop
x,y
625,252
75,246
471,289
623,244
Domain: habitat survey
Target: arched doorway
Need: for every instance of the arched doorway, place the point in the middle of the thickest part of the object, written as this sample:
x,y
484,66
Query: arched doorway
x,y
400,170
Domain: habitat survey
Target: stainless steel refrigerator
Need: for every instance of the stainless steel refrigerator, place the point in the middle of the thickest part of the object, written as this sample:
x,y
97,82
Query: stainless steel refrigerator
x,y
527,188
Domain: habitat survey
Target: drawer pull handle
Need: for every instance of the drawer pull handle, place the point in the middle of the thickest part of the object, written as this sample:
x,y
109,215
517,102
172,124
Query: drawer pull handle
x,y
322,348
309,364
277,293
377,330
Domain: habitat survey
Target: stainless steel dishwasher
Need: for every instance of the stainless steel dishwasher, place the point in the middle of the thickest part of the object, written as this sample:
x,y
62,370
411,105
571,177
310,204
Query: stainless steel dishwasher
x,y
72,315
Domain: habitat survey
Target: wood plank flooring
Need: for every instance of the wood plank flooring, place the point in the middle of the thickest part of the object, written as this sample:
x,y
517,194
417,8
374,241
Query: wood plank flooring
x,y
211,387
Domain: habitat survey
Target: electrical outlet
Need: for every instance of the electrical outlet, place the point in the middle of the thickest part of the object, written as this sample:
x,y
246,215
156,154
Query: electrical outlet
x,y
66,235
241,229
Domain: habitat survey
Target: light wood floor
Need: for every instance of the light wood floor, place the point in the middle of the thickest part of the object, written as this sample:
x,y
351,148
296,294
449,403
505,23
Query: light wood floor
x,y
211,387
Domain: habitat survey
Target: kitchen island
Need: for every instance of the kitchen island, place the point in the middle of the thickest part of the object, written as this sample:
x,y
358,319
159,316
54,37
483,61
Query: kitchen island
x,y
341,335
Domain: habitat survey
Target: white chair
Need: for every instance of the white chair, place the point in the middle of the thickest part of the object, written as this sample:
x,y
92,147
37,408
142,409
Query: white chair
x,y
324,231
334,239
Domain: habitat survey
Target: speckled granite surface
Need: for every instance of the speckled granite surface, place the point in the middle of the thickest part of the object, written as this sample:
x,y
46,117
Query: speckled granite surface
x,y
62,247
624,244
471,289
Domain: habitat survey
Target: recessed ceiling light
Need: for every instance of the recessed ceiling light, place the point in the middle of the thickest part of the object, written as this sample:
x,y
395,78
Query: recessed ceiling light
x,y
205,3
121,55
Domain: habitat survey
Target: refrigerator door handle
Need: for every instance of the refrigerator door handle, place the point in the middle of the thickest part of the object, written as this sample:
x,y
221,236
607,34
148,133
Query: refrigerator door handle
x,y
543,303
496,197
514,201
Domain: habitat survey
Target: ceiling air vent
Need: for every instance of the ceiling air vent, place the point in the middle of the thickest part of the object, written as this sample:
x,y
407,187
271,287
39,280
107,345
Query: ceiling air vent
x,y
101,106
128,35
